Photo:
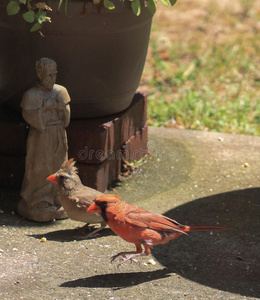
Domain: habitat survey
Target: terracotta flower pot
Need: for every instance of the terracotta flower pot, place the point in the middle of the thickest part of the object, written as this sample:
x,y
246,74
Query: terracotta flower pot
x,y
100,56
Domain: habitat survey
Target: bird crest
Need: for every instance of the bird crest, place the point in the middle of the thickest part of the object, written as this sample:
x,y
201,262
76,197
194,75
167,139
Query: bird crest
x,y
69,166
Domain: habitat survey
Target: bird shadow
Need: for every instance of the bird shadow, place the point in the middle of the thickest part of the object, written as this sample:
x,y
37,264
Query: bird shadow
x,y
69,235
117,281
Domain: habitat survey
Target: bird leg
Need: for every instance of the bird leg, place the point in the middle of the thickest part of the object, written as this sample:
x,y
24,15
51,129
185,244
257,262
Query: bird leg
x,y
127,256
132,254
86,228
95,233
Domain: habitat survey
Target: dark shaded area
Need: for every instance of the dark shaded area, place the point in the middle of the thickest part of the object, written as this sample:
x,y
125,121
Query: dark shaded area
x,y
117,280
228,261
13,136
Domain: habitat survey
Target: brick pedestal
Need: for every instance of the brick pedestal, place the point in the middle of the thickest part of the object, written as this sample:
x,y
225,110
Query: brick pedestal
x,y
98,145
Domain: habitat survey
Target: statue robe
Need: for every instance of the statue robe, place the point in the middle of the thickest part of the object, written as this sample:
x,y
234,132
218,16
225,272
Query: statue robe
x,y
48,114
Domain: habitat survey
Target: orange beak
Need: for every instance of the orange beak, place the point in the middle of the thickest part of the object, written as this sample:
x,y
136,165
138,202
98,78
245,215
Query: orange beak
x,y
93,208
53,178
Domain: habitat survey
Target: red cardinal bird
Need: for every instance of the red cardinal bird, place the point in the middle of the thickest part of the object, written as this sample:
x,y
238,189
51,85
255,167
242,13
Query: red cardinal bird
x,y
139,226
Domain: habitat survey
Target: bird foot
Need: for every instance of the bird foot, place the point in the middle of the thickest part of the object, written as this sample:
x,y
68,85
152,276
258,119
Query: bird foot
x,y
85,237
85,229
125,258
86,232
92,235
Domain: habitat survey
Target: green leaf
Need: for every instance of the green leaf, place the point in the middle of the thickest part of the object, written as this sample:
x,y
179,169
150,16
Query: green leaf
x,y
29,16
173,2
151,4
41,19
35,27
22,1
12,8
136,7
40,13
66,7
165,2
108,4
60,3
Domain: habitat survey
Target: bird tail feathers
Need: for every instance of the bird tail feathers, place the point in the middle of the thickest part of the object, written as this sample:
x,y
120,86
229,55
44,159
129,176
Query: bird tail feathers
x,y
203,228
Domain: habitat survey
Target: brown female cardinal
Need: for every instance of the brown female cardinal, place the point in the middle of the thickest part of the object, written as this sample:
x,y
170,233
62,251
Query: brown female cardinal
x,y
75,197
139,226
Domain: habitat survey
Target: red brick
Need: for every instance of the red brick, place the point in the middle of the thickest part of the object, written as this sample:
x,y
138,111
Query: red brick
x,y
89,140
100,176
92,140
134,119
136,147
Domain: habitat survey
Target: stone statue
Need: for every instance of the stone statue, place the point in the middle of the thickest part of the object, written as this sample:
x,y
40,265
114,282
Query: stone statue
x,y
45,107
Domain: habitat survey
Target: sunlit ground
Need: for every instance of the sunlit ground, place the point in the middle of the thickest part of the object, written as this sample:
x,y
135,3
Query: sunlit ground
x,y
203,66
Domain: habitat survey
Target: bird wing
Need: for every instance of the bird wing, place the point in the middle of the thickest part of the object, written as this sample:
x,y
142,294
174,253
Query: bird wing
x,y
84,197
145,219
82,202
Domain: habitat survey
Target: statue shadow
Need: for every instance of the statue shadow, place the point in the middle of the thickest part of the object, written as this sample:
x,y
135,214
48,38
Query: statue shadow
x,y
227,261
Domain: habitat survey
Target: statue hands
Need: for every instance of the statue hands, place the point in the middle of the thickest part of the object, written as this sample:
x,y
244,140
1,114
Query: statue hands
x,y
48,104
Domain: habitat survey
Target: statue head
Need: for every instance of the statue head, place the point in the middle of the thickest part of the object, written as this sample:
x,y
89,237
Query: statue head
x,y
46,71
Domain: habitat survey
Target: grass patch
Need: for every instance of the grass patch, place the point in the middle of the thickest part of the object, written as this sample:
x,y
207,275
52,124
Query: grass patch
x,y
202,68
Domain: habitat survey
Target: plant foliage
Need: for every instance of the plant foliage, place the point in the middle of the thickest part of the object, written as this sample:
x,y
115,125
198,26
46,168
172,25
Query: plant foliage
x,y
36,14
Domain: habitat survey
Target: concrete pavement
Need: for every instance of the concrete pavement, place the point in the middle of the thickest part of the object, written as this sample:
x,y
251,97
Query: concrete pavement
x,y
196,178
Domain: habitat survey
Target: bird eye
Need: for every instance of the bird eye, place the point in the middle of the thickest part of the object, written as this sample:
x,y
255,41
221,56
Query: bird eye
x,y
61,177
